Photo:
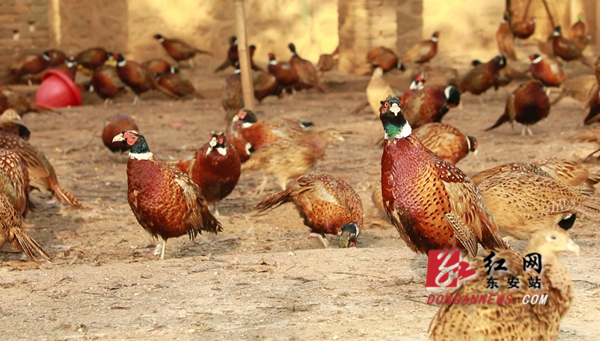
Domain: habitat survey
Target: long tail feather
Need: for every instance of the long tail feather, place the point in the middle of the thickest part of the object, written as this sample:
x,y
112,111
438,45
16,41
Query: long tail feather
x,y
503,119
65,197
30,247
223,66
202,52
42,109
275,200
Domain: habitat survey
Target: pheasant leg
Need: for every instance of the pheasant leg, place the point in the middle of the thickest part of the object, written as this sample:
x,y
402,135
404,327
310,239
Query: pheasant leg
x,y
322,239
162,253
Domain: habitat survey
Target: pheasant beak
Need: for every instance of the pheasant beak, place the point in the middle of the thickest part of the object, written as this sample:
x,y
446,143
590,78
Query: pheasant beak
x,y
475,152
118,138
395,109
572,246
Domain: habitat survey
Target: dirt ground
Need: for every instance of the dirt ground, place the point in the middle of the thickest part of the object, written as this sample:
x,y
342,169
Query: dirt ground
x,y
263,277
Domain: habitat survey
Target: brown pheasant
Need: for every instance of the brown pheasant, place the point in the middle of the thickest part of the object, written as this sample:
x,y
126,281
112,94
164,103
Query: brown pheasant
x,y
523,203
327,204
165,201
290,158
527,105
511,319
433,204
41,172
215,169
446,141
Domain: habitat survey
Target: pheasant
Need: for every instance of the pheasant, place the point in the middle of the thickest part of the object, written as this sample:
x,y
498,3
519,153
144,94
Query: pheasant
x,y
566,49
9,123
422,52
286,77
13,100
41,172
578,33
232,97
11,229
417,84
164,200
506,39
568,172
106,83
378,88
179,50
138,78
176,83
522,29
327,204
527,105
215,169
157,65
262,132
482,77
290,158
446,141
384,58
14,205
506,321
93,58
433,204
523,203
112,127
547,71
430,104
306,71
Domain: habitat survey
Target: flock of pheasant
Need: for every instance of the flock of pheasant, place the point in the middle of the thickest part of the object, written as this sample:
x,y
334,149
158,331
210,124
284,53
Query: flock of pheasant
x,y
431,202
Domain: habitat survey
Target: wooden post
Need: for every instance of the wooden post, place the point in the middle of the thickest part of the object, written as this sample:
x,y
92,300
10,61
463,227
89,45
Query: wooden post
x,y
247,86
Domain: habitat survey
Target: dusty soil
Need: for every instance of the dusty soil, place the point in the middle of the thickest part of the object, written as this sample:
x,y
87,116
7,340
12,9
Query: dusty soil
x,y
263,277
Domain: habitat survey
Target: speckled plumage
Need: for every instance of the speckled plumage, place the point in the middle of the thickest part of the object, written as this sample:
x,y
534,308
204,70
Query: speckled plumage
x,y
262,132
432,203
290,158
41,172
14,180
11,229
515,321
446,141
325,202
523,203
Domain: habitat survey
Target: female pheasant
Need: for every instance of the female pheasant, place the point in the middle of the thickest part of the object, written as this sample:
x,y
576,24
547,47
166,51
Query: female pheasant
x,y
516,322
165,201
14,193
41,172
328,205
262,132
215,168
523,203
433,204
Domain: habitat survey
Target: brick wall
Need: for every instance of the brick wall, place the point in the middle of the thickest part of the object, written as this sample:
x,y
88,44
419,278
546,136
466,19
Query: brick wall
x,y
24,29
